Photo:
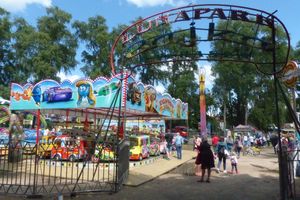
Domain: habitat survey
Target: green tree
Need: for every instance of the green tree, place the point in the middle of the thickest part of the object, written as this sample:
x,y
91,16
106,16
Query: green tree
x,y
296,53
52,48
97,39
238,85
7,66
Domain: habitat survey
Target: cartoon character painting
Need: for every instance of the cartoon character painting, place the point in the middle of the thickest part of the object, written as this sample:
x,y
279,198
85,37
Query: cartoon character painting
x,y
150,97
134,94
16,95
27,93
37,94
55,94
108,89
85,91
178,110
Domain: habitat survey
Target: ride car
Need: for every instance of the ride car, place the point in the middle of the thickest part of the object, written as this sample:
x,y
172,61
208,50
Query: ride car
x,y
103,153
182,130
46,145
68,148
139,147
55,94
154,146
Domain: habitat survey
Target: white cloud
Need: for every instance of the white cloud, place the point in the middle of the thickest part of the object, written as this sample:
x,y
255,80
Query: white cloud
x,y
64,76
209,79
145,3
160,88
19,5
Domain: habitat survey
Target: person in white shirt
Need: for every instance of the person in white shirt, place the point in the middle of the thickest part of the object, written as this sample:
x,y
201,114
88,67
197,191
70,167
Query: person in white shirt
x,y
251,138
234,162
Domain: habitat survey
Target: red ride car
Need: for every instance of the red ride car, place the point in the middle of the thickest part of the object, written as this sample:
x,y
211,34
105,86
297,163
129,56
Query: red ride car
x,y
68,148
182,130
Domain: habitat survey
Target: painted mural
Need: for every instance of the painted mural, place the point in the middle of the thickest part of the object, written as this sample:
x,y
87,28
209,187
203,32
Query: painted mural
x,y
49,94
145,98
87,93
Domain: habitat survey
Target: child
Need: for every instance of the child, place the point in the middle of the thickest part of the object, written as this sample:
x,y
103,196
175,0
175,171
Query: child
x,y
234,162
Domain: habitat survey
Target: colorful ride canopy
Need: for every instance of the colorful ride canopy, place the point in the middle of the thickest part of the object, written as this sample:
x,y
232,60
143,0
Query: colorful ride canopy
x,y
147,99
98,93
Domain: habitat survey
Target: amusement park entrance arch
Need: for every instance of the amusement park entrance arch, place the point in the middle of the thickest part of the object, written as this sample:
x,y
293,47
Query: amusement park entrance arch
x,y
133,49
134,46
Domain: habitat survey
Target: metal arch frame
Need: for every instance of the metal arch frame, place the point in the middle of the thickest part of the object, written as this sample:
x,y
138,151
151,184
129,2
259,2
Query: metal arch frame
x,y
275,73
111,56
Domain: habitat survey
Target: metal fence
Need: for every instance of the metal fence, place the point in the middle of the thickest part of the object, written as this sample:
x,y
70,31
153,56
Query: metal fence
x,y
61,167
291,163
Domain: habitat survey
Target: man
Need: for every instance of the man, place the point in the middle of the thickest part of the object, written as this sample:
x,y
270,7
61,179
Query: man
x,y
214,142
274,141
178,143
169,140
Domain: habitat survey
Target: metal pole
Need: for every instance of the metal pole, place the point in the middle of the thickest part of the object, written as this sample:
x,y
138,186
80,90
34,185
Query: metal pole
x,y
36,153
281,172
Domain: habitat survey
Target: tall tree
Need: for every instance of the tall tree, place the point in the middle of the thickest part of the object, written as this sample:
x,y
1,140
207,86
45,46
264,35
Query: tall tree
x,y
54,46
238,85
7,70
96,37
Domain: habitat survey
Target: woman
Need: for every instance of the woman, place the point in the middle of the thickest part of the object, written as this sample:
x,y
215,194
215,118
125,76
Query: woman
x,y
206,159
221,150
197,162
229,143
238,146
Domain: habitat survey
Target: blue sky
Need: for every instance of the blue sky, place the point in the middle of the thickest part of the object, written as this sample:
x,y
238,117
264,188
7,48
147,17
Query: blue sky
x,y
125,11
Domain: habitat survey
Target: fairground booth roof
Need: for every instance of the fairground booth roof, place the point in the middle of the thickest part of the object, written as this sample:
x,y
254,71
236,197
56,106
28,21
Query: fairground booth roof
x,y
97,97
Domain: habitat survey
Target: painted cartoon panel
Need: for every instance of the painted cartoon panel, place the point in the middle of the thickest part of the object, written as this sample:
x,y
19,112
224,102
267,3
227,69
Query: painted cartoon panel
x,y
49,94
135,95
147,99
101,92
150,99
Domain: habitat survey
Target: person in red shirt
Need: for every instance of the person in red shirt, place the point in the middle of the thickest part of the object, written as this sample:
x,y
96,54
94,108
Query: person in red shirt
x,y
214,142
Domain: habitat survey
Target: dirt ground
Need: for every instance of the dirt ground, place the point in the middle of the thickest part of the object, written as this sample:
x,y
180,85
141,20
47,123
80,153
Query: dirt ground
x,y
257,179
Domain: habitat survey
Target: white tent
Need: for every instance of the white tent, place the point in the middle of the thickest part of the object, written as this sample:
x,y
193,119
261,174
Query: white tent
x,y
4,101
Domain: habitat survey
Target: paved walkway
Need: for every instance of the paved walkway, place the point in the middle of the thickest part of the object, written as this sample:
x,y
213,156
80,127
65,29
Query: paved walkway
x,y
147,172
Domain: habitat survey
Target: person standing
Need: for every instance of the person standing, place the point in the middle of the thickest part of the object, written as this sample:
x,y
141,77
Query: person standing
x,y
198,161
221,148
206,159
229,143
214,142
178,144
234,162
169,140
238,146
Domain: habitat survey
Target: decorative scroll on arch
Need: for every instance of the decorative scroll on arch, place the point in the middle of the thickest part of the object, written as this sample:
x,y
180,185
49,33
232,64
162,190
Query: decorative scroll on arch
x,y
194,31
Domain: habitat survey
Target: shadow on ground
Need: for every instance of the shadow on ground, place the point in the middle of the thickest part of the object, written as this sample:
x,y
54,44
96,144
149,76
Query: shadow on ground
x,y
181,184
260,182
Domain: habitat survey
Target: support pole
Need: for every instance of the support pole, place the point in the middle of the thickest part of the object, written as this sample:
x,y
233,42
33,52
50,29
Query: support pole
x,y
67,118
283,189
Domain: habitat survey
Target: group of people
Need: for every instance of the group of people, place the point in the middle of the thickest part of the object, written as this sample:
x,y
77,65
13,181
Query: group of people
x,y
222,149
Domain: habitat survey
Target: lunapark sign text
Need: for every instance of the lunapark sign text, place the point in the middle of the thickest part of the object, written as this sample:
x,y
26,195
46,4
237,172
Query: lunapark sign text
x,y
195,14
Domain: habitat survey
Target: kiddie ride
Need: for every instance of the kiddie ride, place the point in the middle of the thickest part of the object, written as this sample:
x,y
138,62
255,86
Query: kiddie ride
x,y
69,148
103,153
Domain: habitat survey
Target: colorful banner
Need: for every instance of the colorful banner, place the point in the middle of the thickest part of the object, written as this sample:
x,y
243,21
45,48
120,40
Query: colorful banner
x,y
146,99
98,93
49,94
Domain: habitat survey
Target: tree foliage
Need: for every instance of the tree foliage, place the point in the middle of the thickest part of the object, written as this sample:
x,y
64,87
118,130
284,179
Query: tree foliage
x,y
244,90
7,67
94,33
